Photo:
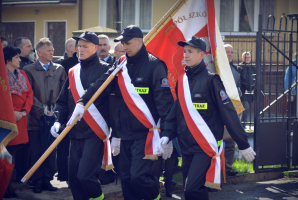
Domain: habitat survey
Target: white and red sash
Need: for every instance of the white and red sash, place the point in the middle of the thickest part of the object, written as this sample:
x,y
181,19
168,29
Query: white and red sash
x,y
92,116
140,110
201,132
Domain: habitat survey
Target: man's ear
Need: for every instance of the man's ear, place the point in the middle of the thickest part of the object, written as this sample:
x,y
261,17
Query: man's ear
x,y
109,47
140,41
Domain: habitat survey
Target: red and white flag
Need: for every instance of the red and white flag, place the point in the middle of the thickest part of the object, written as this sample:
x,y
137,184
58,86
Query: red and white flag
x,y
192,18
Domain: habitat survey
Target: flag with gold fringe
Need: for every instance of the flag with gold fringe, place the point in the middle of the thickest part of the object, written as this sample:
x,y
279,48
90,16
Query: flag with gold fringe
x,y
8,127
185,19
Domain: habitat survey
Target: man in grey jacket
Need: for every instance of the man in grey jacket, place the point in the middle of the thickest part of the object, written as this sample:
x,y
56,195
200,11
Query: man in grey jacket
x,y
44,77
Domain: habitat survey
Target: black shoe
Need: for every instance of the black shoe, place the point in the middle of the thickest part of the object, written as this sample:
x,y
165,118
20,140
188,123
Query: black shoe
x,y
173,182
7,195
14,195
212,190
169,194
232,173
37,189
108,180
48,186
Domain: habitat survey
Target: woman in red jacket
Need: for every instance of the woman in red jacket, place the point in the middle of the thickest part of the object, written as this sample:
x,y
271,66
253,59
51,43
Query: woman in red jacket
x,y
22,99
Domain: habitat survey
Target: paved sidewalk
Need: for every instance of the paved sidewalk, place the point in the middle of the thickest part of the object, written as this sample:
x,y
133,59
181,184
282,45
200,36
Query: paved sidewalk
x,y
280,189
264,186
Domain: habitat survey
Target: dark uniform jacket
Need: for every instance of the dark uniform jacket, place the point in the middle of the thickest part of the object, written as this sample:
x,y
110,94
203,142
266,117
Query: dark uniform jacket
x,y
111,60
249,70
70,62
24,61
146,71
91,69
42,83
239,77
205,87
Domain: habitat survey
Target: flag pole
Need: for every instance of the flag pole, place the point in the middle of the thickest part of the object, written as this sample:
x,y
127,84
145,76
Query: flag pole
x,y
69,127
161,22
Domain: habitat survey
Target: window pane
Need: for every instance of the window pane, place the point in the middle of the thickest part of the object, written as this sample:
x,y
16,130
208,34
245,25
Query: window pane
x,y
226,15
13,30
56,33
246,16
128,17
113,14
145,14
267,7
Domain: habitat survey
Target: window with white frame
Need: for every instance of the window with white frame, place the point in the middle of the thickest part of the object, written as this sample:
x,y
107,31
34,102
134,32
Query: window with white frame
x,y
241,16
121,13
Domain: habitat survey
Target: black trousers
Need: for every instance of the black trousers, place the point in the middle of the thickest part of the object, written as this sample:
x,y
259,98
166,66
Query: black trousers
x,y
62,158
194,169
45,172
229,154
85,157
169,168
22,161
137,179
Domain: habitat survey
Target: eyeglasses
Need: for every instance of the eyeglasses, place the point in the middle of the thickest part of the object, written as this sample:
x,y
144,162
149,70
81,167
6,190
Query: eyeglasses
x,y
121,51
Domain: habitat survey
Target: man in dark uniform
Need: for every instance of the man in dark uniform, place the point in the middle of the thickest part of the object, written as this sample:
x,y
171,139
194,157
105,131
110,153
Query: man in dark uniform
x,y
86,148
239,77
148,80
210,100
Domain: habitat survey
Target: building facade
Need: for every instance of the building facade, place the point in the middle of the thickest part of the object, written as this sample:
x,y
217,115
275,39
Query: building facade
x,y
58,19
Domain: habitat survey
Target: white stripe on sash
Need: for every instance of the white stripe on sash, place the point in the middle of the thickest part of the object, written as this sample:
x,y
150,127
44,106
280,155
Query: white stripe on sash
x,y
203,127
142,106
92,109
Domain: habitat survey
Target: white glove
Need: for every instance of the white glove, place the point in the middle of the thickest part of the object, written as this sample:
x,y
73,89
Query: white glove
x,y
55,128
167,150
115,146
78,111
248,154
163,141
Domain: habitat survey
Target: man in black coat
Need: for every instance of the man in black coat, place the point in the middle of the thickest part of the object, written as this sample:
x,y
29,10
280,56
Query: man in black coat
x,y
22,155
71,61
247,99
239,77
26,50
211,110
63,147
148,76
104,48
86,148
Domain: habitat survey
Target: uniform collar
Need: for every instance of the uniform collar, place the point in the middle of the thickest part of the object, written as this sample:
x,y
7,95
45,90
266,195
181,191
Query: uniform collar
x,y
138,57
190,72
89,61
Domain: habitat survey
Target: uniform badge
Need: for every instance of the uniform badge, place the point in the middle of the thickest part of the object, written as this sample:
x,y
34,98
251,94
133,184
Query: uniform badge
x,y
139,79
223,95
165,83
